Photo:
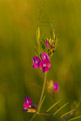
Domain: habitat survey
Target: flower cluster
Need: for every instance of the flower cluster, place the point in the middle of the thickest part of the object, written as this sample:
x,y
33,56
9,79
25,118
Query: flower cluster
x,y
43,64
28,106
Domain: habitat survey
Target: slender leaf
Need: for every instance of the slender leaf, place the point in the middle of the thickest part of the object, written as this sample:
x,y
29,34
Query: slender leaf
x,y
60,108
74,118
53,106
58,117
38,36
54,36
67,113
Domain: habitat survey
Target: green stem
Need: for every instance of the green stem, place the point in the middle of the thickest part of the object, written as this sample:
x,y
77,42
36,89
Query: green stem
x,y
43,89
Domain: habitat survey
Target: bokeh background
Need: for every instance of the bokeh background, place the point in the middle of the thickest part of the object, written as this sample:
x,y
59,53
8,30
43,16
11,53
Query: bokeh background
x,y
18,23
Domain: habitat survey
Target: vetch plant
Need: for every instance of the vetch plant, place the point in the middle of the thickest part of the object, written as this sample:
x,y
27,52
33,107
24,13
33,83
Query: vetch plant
x,y
46,49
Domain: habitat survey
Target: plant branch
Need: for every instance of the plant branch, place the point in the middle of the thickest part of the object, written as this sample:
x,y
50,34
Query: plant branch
x,y
46,114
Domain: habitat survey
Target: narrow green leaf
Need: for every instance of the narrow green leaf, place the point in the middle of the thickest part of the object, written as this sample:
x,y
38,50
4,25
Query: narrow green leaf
x,y
54,36
74,118
53,106
38,36
67,113
41,103
61,108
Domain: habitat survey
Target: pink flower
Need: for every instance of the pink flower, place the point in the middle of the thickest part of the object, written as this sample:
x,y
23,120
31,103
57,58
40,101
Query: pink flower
x,y
28,100
45,56
55,87
44,65
36,62
47,44
28,103
28,106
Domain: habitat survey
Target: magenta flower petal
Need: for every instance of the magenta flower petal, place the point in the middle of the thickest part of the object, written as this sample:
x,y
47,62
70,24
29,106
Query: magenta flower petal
x,y
45,56
26,105
28,101
36,61
41,65
34,106
56,87
45,69
35,65
25,110
44,65
47,44
48,64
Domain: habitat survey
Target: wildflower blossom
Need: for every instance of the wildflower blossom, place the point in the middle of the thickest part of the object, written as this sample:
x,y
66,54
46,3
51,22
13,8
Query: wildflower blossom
x,y
28,100
44,65
28,103
45,56
36,62
28,106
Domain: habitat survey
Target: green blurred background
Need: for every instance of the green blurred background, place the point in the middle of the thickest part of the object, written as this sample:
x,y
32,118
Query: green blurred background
x,y
18,23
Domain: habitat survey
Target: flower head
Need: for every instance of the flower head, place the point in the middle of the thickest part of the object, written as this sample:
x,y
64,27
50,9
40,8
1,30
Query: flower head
x,y
28,106
56,87
28,100
45,56
36,62
28,103
44,65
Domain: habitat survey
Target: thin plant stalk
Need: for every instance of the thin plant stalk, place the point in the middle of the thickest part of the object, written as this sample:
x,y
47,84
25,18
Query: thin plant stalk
x,y
42,93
